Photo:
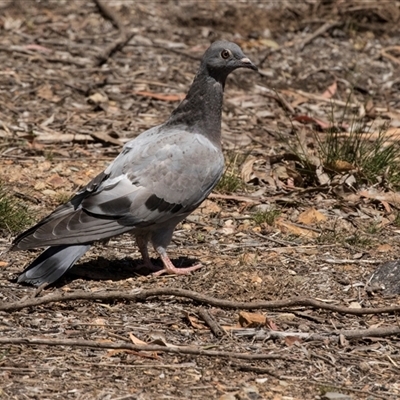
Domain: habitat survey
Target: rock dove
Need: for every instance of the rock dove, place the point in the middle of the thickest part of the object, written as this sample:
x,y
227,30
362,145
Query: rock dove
x,y
156,181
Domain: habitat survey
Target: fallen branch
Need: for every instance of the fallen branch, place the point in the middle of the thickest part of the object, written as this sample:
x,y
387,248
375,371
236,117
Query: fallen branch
x,y
153,348
211,322
142,295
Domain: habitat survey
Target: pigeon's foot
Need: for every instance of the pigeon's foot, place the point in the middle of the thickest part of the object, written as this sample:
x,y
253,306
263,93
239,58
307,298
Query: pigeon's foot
x,y
170,268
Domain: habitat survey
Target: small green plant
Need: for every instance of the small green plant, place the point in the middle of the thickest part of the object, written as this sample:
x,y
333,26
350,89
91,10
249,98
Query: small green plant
x,y
229,183
367,152
374,158
396,221
267,217
373,228
326,388
14,215
358,240
231,180
49,155
62,197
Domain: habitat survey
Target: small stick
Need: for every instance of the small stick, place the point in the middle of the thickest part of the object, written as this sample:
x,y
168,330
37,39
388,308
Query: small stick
x,y
110,14
124,36
321,30
211,322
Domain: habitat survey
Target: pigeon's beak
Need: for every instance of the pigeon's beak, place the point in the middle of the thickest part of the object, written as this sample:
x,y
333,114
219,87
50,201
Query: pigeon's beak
x,y
246,63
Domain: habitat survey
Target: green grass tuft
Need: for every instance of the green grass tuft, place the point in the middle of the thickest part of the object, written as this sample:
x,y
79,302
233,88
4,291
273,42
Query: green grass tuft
x,y
268,217
14,215
374,159
231,180
229,183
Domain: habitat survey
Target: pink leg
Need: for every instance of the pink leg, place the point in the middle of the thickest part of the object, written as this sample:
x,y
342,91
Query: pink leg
x,y
170,268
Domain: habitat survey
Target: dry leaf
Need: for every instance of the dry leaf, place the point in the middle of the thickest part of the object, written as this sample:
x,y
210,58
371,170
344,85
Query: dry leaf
x,y
287,227
55,181
291,340
45,92
38,47
246,172
97,98
99,322
209,207
251,320
136,340
389,197
322,176
330,91
341,166
384,248
162,96
40,186
194,321
229,228
370,108
311,216
305,119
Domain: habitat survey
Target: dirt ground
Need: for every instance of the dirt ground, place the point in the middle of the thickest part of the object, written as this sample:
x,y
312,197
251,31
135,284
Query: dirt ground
x,y
68,103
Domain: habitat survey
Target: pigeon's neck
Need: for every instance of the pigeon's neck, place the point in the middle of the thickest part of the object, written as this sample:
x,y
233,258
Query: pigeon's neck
x,y
201,110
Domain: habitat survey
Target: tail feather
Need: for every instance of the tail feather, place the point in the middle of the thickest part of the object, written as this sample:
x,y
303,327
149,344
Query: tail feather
x,y
52,264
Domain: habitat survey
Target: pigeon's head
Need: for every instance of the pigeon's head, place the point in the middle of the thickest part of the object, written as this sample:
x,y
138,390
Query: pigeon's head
x,y
223,57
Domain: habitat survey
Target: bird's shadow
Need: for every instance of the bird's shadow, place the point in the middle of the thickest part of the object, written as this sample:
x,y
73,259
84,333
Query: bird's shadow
x,y
103,269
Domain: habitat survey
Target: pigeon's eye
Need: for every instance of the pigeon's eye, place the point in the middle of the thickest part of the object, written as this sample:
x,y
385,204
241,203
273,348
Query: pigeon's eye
x,y
225,54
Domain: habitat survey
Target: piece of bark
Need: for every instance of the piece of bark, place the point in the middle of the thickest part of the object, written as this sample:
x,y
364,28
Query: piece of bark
x,y
386,278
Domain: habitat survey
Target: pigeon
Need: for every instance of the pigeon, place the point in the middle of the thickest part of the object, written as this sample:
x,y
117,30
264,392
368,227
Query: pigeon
x,y
156,181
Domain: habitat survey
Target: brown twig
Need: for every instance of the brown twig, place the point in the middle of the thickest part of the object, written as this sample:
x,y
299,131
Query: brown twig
x,y
110,14
142,295
279,99
24,52
211,322
284,103
153,348
321,30
384,53
244,199
124,36
117,45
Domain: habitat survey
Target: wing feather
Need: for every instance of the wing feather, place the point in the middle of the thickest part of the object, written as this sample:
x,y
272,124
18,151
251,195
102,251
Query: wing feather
x,y
156,178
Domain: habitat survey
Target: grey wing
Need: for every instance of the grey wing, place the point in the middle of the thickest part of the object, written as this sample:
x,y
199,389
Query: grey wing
x,y
154,179
169,174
